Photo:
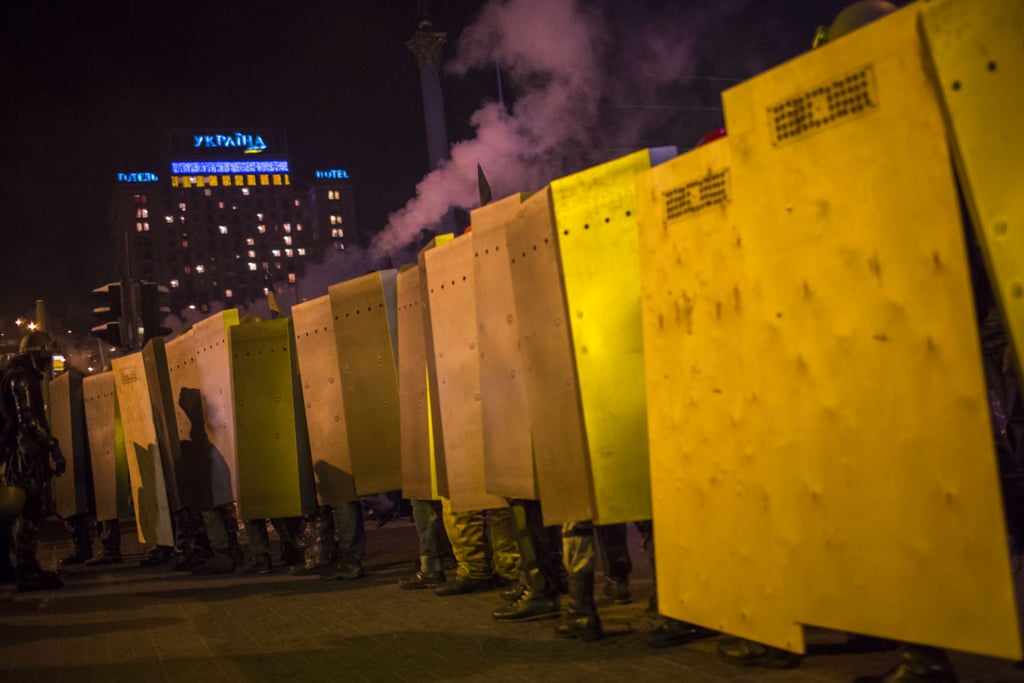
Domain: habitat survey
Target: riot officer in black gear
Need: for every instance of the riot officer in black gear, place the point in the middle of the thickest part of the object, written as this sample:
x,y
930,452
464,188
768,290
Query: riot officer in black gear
x,y
29,454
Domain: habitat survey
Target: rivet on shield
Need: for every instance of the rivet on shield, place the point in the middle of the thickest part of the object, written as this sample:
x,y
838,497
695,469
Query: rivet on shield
x,y
1000,227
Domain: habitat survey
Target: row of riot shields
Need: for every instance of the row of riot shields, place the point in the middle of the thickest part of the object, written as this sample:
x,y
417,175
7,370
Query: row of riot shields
x,y
768,345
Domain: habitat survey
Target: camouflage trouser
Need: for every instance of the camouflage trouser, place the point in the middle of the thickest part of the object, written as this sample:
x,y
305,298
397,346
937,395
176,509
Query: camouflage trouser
x,y
474,552
538,569
221,525
348,522
429,530
321,549
578,547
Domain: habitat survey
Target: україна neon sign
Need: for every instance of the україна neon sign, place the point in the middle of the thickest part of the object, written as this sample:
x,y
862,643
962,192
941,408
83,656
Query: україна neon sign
x,y
223,167
137,178
250,144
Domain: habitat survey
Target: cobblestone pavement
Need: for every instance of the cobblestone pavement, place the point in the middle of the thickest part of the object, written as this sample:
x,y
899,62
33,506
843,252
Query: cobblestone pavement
x,y
127,623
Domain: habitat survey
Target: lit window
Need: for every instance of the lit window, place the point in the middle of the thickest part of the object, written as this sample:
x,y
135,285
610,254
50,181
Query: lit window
x,y
291,278
174,283
181,219
145,226
298,227
277,264
276,253
228,294
169,219
250,241
245,191
188,270
259,217
223,229
288,240
138,227
200,269
341,247
181,207
142,213
302,251
252,253
287,227
208,192
220,205
298,202
250,178
261,229
184,243
252,266
333,194
288,253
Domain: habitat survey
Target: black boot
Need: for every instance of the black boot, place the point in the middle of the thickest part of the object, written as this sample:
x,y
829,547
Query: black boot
x,y
743,652
581,621
530,606
919,665
31,577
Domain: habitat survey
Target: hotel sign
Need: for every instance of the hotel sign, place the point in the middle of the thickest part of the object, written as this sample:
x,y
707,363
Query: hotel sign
x,y
137,177
332,174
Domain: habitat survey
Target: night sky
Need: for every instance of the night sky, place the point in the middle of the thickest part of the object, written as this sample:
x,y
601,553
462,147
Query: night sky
x,y
93,88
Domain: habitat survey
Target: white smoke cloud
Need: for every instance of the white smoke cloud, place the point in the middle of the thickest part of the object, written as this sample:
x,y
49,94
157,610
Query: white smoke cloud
x,y
586,79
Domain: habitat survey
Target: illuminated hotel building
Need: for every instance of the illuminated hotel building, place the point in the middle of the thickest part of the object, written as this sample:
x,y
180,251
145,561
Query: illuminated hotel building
x,y
224,215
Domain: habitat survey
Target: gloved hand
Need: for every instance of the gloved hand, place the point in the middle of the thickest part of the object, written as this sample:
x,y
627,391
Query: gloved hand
x,y
60,465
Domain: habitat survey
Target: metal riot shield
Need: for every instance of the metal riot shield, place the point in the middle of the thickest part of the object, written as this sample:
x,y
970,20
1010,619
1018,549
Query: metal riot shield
x,y
549,373
214,367
977,54
66,415
275,473
419,479
182,491
718,559
109,467
317,354
508,446
363,309
439,468
449,278
195,390
870,399
145,465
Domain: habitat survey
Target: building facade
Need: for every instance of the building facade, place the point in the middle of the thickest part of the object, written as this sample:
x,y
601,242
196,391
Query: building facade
x,y
226,218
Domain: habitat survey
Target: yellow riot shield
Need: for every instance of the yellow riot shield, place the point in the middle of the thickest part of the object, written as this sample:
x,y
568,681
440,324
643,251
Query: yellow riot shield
x,y
275,473
451,295
66,416
863,412
595,225
145,465
978,58
549,373
418,472
317,354
508,445
439,469
364,331
101,428
719,560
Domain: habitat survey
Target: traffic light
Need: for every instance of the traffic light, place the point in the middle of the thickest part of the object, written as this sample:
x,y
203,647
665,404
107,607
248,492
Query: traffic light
x,y
153,308
111,312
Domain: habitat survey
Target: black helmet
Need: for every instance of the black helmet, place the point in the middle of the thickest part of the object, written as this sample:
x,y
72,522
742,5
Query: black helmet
x,y
852,18
38,348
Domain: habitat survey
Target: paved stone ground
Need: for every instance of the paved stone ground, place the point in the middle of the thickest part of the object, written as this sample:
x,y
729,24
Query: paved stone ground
x,y
127,623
